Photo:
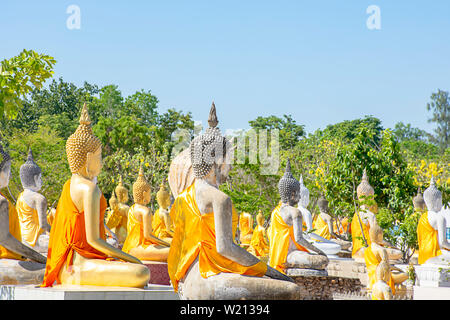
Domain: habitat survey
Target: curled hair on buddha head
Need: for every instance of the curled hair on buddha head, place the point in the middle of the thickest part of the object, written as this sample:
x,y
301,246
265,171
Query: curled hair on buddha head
x,y
28,171
139,187
208,148
364,188
81,142
288,185
322,203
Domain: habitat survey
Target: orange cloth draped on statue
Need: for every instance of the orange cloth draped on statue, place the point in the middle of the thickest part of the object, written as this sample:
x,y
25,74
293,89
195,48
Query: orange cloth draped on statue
x,y
14,230
29,221
259,242
195,236
342,227
280,234
321,228
135,233
357,233
157,224
372,263
67,235
427,238
244,227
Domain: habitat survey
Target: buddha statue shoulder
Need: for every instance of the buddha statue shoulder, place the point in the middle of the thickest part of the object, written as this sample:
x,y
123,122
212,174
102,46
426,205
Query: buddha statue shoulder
x,y
11,246
140,241
432,229
204,261
162,222
78,251
288,246
31,207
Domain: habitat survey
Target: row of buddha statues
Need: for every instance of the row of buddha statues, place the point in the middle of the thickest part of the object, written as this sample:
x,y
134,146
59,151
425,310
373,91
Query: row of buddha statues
x,y
211,252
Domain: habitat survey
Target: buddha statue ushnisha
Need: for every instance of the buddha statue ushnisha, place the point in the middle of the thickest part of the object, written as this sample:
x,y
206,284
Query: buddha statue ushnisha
x,y
162,222
140,241
259,245
11,246
433,229
204,261
375,254
78,252
245,228
31,207
288,247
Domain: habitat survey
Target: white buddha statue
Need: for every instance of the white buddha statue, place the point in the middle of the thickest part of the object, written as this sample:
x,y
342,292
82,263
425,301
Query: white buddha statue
x,y
330,248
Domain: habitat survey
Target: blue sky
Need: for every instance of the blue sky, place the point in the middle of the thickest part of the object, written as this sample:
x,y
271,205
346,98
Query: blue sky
x,y
314,60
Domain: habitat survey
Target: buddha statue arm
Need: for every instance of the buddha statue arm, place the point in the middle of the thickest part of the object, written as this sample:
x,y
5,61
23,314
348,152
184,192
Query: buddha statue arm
x,y
298,233
329,220
307,217
147,229
9,242
41,208
441,231
167,221
91,204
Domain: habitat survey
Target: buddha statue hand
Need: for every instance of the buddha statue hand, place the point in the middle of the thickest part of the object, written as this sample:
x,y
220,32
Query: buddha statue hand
x,y
275,274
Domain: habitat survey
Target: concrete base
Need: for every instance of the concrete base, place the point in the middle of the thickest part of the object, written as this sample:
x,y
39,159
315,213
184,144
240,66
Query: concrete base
x,y
432,275
31,292
348,268
16,272
158,272
297,272
429,293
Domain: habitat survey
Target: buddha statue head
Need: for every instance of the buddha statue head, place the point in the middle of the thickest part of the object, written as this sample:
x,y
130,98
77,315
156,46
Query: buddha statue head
x,y
289,187
304,194
5,167
121,192
260,219
83,149
418,202
322,203
376,234
433,197
141,189
365,191
163,197
113,203
31,174
210,152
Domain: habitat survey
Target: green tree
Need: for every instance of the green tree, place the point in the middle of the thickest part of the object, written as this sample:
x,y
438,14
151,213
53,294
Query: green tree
x,y
440,107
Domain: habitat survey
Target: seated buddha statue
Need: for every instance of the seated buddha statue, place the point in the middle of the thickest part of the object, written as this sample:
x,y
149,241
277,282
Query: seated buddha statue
x,y
376,253
31,207
162,222
432,229
113,218
329,247
288,247
11,246
78,253
381,289
324,225
140,241
259,245
120,213
364,220
245,228
204,261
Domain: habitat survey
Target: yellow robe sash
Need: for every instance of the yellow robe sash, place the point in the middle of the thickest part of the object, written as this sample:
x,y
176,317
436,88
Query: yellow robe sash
x,y
245,227
259,242
427,238
357,234
135,233
280,234
322,228
14,229
29,221
371,263
68,235
194,237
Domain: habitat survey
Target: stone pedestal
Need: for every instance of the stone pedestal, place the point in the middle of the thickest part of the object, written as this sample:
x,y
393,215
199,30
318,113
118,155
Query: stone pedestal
x,y
16,272
158,272
431,293
348,268
31,292
432,275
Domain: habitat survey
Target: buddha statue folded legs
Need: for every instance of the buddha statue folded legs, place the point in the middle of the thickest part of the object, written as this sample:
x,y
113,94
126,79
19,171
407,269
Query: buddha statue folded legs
x,y
78,251
204,261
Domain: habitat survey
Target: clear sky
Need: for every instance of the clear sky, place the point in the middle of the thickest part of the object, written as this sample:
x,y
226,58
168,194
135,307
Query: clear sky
x,y
316,60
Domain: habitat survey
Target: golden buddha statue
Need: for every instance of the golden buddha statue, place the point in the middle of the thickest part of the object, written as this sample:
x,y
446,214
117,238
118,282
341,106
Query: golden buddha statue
x,y
162,222
78,252
245,228
118,216
259,245
140,241
381,289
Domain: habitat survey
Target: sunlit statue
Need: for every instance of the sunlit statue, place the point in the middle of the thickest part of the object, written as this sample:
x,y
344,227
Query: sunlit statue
x,y
113,218
140,241
329,247
288,247
204,261
259,244
11,246
419,203
364,220
180,175
324,225
118,216
162,222
433,229
376,253
381,289
78,252
31,207
245,228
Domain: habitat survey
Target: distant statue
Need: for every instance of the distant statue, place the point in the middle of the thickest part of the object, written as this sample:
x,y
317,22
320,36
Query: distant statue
x,y
120,216
245,228
204,261
162,222
31,207
11,246
381,289
259,245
